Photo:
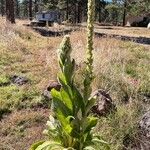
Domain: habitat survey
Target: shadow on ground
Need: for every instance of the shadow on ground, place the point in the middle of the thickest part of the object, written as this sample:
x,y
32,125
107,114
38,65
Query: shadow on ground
x,y
141,40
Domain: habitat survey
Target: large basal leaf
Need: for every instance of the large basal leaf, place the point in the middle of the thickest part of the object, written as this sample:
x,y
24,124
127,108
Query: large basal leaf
x,y
62,79
89,123
89,148
48,145
66,99
90,104
97,139
88,139
66,125
35,145
69,148
69,70
74,95
78,100
64,84
75,128
59,104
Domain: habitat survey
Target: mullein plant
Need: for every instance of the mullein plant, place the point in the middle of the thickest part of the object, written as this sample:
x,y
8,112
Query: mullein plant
x,y
70,127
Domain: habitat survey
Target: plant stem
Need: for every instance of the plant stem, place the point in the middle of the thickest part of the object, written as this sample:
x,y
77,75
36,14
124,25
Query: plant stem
x,y
89,49
89,63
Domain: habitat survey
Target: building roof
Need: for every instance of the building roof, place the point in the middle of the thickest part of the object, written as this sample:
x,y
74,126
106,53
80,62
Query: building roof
x,y
47,12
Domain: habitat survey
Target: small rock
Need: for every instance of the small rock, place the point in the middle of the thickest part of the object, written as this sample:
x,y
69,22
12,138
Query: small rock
x,y
145,124
53,85
104,104
19,80
143,135
46,94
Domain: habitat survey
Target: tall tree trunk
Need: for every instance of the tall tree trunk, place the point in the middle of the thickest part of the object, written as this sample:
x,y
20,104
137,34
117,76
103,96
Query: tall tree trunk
x,y
30,9
67,10
17,9
36,6
79,13
99,10
2,8
10,15
75,10
26,10
124,13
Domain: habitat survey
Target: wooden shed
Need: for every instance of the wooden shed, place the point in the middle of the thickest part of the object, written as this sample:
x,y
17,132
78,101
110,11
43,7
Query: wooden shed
x,y
51,16
44,17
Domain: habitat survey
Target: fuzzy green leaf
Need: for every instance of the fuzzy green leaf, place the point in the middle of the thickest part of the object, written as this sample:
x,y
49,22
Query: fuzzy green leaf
x,y
78,100
62,79
75,128
89,148
48,145
35,145
66,99
89,123
97,139
64,122
59,104
69,70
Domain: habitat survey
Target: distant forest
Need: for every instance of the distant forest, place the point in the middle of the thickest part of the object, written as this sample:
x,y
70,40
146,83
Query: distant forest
x,y
75,11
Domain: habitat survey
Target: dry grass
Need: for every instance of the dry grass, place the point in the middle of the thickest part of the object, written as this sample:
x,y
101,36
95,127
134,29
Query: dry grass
x,y
20,129
122,68
125,31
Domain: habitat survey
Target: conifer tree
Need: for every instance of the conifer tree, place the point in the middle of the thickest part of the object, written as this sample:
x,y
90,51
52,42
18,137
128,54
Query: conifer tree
x,y
10,15
30,10
2,5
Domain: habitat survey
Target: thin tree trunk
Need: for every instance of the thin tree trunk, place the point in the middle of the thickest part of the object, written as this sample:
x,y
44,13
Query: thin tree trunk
x,y
10,15
67,10
124,13
99,9
2,8
36,6
75,18
30,9
26,10
17,9
79,13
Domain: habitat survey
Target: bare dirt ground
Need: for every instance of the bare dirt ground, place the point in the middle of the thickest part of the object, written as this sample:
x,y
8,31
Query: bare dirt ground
x,y
127,31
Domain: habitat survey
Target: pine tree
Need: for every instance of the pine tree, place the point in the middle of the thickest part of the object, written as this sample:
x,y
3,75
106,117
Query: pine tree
x,y
64,6
30,10
17,8
124,12
10,15
24,8
36,7
100,13
2,5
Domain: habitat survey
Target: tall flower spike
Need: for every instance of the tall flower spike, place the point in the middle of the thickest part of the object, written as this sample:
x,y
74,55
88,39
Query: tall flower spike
x,y
64,50
67,64
89,49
